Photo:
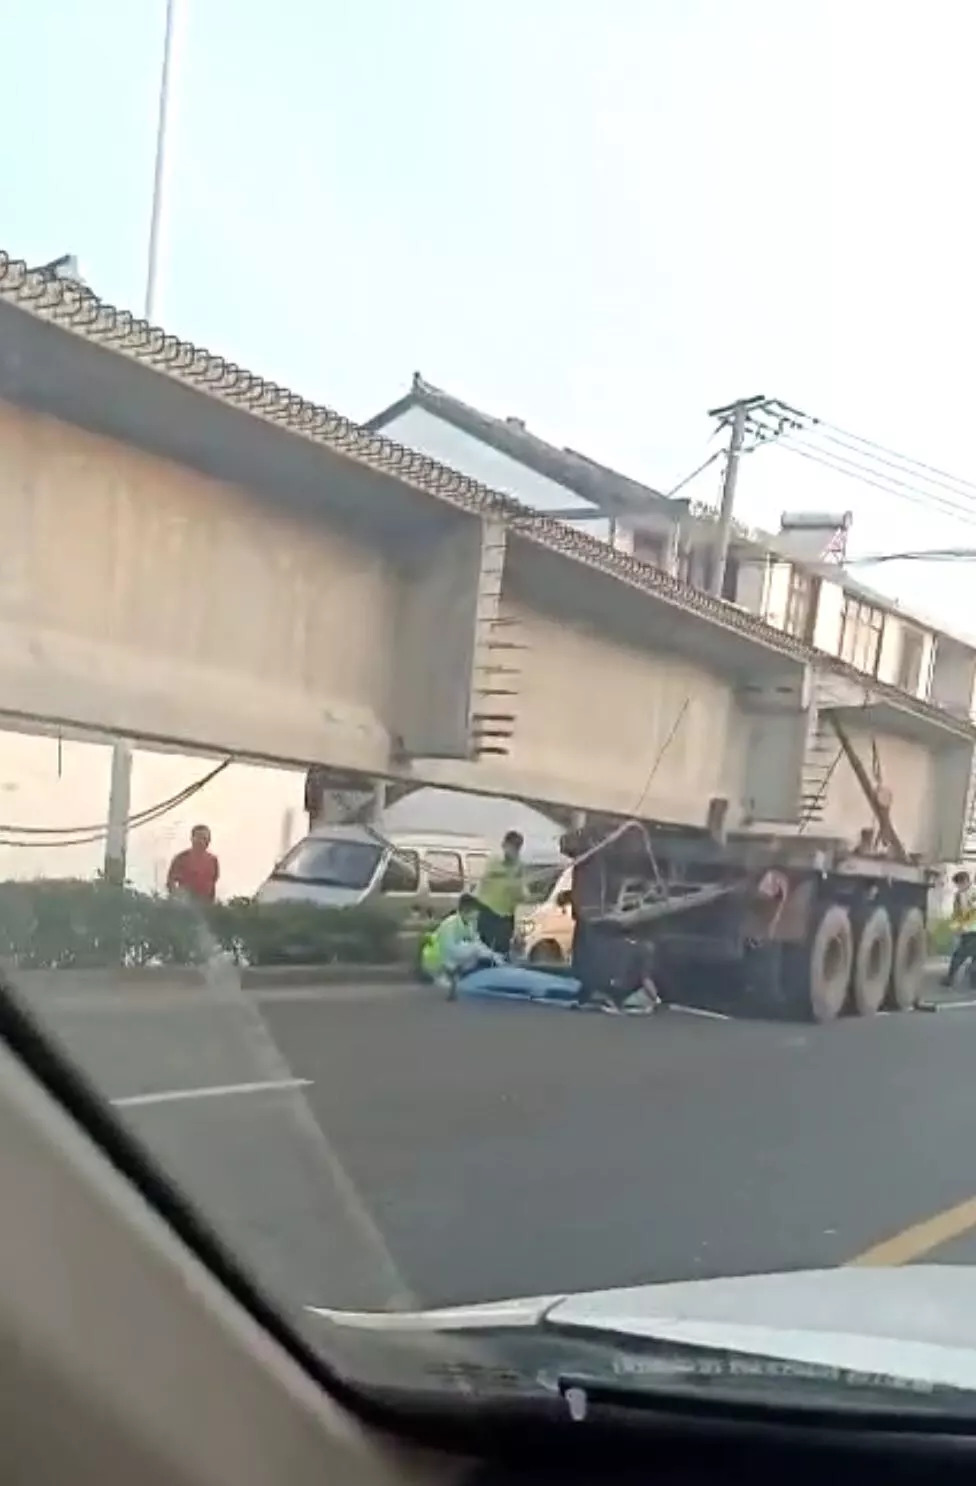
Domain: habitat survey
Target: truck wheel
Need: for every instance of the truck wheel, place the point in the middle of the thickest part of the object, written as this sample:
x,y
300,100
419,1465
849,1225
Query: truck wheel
x,y
872,961
831,954
908,961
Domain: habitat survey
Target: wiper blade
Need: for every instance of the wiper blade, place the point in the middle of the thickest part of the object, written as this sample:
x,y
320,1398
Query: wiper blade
x,y
735,1378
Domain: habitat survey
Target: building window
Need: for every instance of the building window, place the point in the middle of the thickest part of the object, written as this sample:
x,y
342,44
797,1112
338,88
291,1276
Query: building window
x,y
910,662
700,566
402,873
860,636
798,604
649,549
730,579
444,872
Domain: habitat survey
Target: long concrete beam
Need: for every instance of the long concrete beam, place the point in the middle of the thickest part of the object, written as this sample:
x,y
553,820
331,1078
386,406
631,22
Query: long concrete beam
x,y
141,349
455,544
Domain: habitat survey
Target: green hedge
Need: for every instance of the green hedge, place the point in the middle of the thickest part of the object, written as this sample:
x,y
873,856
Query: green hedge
x,y
941,936
77,925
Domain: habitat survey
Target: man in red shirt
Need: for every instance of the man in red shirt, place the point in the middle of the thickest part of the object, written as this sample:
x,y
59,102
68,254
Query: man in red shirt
x,y
195,872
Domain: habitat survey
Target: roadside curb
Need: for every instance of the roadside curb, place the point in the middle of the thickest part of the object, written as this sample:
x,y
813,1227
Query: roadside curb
x,y
273,977
257,978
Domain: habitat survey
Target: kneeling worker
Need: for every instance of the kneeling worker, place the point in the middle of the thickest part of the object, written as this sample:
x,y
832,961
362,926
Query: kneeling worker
x,y
454,947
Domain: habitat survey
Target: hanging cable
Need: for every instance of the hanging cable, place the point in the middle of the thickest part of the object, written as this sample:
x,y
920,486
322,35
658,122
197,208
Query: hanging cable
x,y
883,454
863,459
902,489
63,836
700,470
921,554
625,826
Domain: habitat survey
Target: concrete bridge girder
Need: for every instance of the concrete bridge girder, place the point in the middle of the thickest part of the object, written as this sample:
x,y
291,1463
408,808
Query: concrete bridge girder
x,y
143,597
180,571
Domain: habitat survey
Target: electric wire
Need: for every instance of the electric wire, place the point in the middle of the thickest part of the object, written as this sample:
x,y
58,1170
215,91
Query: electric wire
x,y
66,836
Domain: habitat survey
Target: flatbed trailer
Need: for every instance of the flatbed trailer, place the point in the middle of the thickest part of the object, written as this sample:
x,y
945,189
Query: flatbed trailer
x,y
794,924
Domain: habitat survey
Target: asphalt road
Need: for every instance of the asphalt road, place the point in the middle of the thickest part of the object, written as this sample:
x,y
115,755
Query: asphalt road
x,y
435,1153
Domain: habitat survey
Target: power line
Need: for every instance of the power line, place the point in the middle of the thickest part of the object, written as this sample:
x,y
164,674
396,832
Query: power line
x,y
717,454
63,836
881,452
922,554
862,459
926,500
867,454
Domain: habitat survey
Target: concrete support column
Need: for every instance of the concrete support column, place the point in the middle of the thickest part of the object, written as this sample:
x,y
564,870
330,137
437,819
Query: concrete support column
x,y
776,718
953,796
333,798
450,691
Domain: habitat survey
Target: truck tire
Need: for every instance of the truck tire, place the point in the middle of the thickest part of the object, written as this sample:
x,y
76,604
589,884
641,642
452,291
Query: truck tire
x,y
830,956
873,958
908,961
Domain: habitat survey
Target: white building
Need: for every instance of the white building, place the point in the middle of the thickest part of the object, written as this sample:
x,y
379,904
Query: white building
x,y
793,580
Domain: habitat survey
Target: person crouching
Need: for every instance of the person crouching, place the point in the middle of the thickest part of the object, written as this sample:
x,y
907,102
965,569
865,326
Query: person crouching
x,y
455,948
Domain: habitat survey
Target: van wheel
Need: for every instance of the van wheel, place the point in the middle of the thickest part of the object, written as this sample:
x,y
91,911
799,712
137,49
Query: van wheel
x,y
546,952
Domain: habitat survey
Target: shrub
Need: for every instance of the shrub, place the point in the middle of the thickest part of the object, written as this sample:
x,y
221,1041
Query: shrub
x,y
70,924
303,934
942,936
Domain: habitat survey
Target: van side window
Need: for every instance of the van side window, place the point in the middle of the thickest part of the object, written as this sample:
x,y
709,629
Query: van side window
x,y
444,872
402,873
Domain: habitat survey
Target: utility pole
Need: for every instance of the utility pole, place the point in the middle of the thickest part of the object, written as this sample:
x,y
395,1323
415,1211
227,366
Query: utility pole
x,y
120,786
735,415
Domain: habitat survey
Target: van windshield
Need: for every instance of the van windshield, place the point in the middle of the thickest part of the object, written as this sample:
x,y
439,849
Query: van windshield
x,y
541,881
332,862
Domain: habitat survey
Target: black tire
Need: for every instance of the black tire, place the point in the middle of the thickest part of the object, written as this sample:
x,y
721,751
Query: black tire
x,y
546,952
873,959
826,968
908,961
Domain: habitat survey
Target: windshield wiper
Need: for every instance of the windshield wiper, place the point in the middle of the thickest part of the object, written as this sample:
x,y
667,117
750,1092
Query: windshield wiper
x,y
540,1362
732,1380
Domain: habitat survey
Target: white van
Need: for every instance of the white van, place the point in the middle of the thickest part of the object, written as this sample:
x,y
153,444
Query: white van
x,y
544,928
340,866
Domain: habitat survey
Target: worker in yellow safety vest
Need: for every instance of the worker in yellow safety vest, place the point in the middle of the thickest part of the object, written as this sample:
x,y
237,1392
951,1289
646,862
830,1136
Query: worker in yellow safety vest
x,y
500,893
454,947
963,921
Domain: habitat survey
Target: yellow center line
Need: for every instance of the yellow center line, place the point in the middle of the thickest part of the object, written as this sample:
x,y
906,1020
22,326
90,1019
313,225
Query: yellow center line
x,y
921,1238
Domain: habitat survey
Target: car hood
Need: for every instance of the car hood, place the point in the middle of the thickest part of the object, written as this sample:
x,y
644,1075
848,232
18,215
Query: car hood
x,y
917,1323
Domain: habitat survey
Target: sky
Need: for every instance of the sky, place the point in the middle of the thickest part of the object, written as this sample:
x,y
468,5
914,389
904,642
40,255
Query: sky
x,y
603,219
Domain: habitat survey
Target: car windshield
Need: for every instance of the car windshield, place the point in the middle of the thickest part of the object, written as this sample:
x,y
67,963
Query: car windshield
x,y
332,863
541,881
603,692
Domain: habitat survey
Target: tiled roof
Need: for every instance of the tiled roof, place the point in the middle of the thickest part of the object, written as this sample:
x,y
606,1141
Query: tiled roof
x,y
80,313
612,492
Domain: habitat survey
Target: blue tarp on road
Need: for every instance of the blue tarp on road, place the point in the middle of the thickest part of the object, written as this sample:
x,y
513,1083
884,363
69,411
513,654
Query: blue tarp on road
x,y
519,983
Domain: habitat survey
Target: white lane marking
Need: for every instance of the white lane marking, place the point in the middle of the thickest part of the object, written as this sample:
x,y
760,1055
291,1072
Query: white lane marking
x,y
212,1091
713,1016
